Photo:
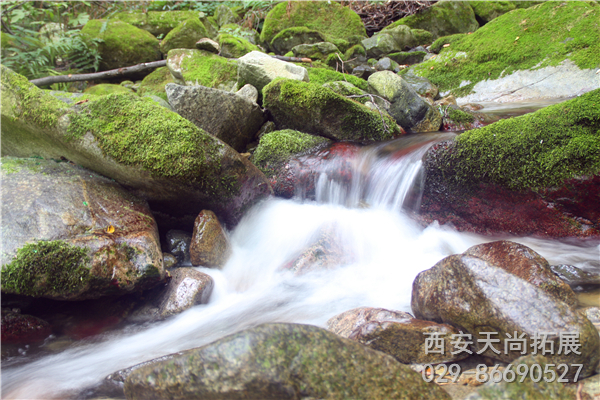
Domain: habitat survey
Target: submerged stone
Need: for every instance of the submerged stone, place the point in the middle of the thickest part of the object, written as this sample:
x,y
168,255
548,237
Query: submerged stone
x,y
279,361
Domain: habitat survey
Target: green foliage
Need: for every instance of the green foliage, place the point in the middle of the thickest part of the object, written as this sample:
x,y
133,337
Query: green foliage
x,y
45,267
536,150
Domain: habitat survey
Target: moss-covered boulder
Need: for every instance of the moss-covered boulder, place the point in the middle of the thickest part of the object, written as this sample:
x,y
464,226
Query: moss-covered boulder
x,y
520,55
155,22
235,47
94,239
380,45
184,36
107,88
158,154
441,19
199,67
231,118
289,38
280,361
224,15
315,51
320,111
122,44
259,69
329,18
534,174
508,289
154,83
321,76
422,37
277,147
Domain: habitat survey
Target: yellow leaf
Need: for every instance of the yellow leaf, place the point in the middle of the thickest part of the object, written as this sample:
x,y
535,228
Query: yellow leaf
x,y
517,38
110,229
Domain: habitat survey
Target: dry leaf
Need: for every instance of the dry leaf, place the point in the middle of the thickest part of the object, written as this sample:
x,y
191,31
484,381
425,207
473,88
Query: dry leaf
x,y
446,45
431,68
517,38
110,229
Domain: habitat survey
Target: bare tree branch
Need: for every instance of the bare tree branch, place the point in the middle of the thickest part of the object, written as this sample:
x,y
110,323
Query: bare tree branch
x,y
48,80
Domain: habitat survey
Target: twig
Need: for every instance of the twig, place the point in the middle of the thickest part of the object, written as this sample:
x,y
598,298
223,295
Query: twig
x,y
293,59
48,80
578,394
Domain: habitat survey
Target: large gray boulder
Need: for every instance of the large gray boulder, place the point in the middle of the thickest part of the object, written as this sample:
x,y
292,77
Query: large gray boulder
x,y
228,116
507,289
408,109
259,69
156,153
279,361
71,234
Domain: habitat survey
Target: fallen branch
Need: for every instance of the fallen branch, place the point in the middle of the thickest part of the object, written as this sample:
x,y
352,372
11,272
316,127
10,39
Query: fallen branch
x,y
293,59
48,80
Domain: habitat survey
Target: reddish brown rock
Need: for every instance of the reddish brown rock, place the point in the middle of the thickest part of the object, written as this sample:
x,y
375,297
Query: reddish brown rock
x,y
409,340
210,245
19,328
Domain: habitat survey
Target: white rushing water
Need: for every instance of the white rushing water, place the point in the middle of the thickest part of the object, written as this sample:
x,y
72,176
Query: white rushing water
x,y
385,251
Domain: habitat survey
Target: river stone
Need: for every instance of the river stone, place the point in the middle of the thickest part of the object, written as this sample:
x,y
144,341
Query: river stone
x,y
380,45
186,289
122,45
408,109
234,46
315,51
233,119
208,45
477,295
199,67
210,246
248,91
398,334
403,35
386,64
528,389
279,361
258,69
574,276
178,244
421,85
20,328
76,235
184,36
157,154
317,110
289,38
169,261
363,71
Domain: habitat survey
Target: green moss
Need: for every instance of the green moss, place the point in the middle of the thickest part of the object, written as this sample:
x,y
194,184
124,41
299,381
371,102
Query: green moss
x,y
488,10
422,36
493,50
45,267
107,88
184,36
206,69
458,115
321,76
154,83
537,150
235,47
122,44
137,132
155,22
22,100
355,51
438,45
329,18
278,146
240,32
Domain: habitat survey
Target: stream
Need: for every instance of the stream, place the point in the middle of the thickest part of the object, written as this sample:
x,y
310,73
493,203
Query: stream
x,y
371,221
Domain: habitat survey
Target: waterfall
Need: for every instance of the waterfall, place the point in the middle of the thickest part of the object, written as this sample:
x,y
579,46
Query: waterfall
x,y
383,251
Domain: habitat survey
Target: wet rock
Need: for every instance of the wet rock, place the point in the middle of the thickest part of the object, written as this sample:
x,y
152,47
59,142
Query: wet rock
x,y
249,92
178,244
446,101
258,69
169,261
528,389
186,288
227,116
506,289
454,118
267,127
407,108
421,85
162,157
19,328
184,36
210,245
279,361
71,234
574,276
320,111
398,334
208,45
363,71
326,252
